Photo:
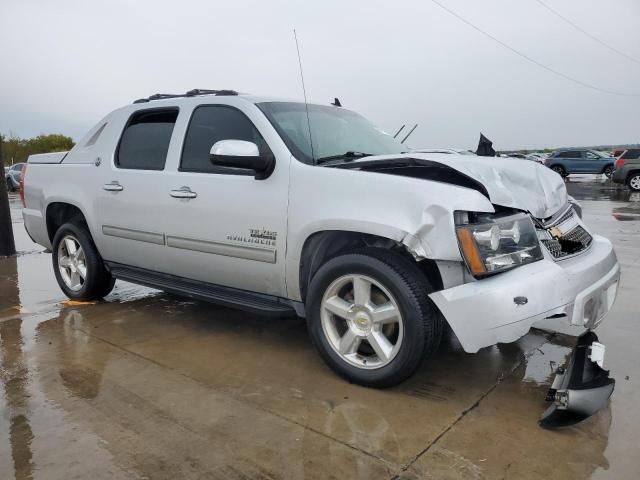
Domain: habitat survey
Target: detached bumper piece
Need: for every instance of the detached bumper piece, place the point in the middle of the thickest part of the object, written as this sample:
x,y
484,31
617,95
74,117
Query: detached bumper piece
x,y
581,389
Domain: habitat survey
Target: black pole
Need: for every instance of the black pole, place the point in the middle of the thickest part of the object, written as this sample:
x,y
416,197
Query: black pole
x,y
7,244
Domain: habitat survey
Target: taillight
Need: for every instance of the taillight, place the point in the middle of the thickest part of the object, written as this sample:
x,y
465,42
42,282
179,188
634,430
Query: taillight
x,y
619,162
21,183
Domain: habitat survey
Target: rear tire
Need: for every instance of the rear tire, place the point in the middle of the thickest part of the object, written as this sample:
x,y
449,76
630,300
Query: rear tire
x,y
379,338
634,181
78,267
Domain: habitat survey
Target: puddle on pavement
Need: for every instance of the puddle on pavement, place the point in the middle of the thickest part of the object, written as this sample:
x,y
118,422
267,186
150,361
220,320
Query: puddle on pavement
x,y
604,190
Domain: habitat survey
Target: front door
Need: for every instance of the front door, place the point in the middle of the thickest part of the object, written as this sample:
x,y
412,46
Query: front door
x,y
594,163
223,226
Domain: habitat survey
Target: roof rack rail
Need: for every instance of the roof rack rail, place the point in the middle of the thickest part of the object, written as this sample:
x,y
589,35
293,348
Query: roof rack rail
x,y
191,93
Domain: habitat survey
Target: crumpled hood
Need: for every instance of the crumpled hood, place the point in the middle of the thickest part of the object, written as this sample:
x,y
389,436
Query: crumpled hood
x,y
510,182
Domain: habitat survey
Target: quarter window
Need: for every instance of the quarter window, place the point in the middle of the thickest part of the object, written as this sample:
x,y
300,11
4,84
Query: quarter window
x,y
210,124
145,140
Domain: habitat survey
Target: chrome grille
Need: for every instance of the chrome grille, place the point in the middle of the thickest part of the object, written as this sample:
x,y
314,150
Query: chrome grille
x,y
554,247
572,242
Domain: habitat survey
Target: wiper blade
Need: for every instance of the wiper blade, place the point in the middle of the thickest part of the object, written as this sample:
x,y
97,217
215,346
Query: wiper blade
x,y
347,156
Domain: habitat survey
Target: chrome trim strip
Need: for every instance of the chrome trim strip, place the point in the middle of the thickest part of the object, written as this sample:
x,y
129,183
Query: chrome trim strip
x,y
137,235
225,249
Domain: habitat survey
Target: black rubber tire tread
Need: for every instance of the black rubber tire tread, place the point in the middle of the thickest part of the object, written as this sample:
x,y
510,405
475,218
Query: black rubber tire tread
x,y
561,170
99,281
409,286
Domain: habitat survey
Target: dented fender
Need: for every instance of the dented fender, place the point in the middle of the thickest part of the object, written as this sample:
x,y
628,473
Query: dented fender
x,y
414,212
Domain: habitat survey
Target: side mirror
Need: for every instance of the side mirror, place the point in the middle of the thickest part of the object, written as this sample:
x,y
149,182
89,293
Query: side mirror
x,y
242,154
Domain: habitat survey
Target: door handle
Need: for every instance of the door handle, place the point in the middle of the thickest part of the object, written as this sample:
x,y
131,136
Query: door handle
x,y
183,192
114,186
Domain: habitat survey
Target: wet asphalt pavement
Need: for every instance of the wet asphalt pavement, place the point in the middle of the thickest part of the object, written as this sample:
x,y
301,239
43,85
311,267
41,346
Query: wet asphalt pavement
x,y
148,385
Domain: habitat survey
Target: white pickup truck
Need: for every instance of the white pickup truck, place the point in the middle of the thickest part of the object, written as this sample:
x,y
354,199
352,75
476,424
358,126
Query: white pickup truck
x,y
229,198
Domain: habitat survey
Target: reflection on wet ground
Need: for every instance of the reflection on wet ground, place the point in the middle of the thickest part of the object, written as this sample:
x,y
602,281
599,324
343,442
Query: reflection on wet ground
x,y
599,188
149,385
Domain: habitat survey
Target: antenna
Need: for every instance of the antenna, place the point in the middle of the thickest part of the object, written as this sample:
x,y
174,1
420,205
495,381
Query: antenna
x,y
410,132
398,132
304,91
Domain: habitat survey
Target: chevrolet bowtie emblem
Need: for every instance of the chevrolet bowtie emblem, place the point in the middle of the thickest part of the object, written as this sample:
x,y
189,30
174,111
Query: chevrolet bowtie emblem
x,y
555,232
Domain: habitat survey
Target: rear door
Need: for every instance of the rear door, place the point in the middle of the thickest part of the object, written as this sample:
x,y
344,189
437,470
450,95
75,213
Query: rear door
x,y
232,231
574,160
131,204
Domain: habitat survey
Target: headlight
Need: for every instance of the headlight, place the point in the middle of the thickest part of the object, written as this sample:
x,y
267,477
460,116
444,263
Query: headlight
x,y
491,244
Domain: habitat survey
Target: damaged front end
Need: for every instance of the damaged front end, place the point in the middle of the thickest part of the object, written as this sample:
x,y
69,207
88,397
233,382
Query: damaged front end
x,y
582,388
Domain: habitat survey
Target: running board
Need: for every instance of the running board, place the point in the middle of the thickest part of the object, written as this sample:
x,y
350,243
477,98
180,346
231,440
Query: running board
x,y
258,303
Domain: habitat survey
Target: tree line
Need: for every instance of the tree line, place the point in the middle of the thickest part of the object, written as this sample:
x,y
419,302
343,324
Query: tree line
x,y
16,149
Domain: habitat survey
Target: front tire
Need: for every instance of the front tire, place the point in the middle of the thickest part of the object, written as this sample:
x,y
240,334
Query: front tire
x,y
78,267
634,181
370,317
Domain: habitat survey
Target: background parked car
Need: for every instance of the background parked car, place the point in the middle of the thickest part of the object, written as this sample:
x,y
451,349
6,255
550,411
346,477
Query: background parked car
x,y
12,176
536,157
569,161
627,169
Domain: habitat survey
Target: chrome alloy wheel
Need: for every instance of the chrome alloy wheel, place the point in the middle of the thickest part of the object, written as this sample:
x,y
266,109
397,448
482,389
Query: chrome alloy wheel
x,y
361,321
634,182
72,263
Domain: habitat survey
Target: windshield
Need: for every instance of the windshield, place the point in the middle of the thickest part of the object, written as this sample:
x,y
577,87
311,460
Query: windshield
x,y
336,132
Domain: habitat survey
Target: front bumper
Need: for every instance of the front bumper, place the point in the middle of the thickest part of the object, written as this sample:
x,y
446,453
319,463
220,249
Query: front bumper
x,y
578,291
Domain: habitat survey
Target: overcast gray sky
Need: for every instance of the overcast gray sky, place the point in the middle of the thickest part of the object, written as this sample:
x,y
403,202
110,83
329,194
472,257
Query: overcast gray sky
x,y
66,63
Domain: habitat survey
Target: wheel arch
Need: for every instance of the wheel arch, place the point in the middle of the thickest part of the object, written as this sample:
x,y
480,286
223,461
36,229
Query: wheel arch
x,y
58,213
321,246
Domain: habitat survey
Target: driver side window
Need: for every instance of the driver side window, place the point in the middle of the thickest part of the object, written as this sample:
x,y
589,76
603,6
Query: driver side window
x,y
210,124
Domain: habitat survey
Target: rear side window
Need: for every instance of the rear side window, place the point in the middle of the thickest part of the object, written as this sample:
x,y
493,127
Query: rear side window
x,y
210,124
592,156
569,155
145,140
631,154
